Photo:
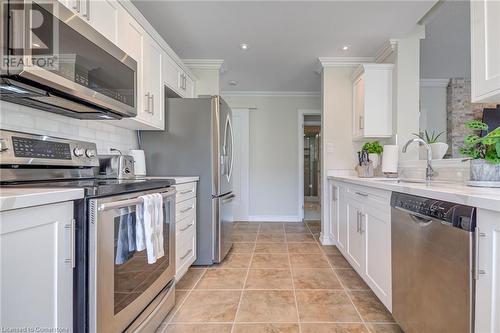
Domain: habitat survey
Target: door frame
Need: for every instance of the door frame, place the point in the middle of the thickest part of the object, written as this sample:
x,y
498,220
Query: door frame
x,y
243,146
300,137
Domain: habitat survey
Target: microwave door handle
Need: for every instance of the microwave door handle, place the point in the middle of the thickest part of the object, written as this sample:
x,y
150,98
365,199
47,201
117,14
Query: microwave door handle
x,y
130,202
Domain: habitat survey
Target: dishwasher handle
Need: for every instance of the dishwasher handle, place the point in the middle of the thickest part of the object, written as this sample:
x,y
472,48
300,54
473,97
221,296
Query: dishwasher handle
x,y
422,221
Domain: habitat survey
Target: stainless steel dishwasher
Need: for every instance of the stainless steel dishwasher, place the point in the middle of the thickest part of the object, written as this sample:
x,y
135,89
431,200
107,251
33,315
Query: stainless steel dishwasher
x,y
432,264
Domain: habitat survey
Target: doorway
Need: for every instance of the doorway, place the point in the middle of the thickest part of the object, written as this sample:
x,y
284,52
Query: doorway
x,y
310,164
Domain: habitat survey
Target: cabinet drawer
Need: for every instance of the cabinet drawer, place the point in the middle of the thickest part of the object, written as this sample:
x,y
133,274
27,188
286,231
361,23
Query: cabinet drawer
x,y
184,208
186,224
185,251
185,191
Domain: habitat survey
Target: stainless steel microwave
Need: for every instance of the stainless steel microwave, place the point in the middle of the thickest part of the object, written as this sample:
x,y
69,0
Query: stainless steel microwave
x,y
53,60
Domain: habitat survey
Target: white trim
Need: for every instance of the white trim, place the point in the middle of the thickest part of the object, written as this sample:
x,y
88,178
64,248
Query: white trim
x,y
441,83
343,61
300,138
386,50
242,214
274,218
271,93
215,64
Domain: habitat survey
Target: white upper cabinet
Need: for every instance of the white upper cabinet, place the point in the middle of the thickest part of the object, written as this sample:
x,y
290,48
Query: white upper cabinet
x,y
372,101
485,47
177,79
152,84
103,16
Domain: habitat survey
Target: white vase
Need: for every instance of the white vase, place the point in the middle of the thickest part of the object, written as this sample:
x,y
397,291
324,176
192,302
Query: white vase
x,y
375,158
439,149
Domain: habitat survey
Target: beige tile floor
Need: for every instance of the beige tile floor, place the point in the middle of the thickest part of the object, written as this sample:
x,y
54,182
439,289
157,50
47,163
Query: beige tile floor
x,y
277,278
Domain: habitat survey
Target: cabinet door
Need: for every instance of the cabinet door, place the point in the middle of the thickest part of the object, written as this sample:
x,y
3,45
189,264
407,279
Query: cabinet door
x,y
342,222
334,210
153,84
103,16
488,280
131,40
36,261
358,121
355,239
171,74
376,226
189,87
485,46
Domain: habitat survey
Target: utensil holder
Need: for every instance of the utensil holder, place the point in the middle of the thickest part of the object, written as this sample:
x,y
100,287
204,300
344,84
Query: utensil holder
x,y
366,170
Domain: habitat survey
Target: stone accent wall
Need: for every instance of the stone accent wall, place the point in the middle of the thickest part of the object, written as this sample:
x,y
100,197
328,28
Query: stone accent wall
x,y
459,110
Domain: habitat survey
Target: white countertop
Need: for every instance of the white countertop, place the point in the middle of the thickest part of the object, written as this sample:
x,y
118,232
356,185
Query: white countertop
x,y
480,197
178,179
15,198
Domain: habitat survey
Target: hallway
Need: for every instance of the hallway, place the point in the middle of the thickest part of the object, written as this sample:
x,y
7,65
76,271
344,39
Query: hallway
x,y
277,278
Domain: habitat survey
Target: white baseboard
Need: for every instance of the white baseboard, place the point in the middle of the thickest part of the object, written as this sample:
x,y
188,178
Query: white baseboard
x,y
326,239
274,218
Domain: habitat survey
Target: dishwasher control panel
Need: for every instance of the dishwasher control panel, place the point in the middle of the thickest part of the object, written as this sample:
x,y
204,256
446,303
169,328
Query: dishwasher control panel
x,y
457,215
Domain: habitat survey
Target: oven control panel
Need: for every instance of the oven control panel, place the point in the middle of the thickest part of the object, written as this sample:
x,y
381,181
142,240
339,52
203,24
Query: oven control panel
x,y
23,148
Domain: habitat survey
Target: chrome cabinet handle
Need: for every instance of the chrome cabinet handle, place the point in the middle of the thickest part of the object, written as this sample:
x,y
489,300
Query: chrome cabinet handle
x,y
361,223
71,259
147,95
361,194
334,193
187,253
187,227
76,5
361,125
477,271
186,209
357,222
152,104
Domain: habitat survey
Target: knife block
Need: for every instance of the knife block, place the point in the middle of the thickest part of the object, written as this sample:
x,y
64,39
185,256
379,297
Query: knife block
x,y
366,170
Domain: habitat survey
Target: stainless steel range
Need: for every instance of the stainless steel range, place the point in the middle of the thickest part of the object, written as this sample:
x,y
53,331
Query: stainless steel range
x,y
110,295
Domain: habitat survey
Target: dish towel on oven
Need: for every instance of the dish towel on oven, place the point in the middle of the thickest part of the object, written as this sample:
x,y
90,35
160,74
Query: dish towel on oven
x,y
125,246
149,226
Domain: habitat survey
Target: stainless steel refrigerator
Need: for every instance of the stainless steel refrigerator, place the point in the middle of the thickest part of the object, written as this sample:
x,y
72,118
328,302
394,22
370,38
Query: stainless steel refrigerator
x,y
198,141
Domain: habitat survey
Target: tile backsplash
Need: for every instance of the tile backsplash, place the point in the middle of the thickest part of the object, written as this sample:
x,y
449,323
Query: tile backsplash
x,y
25,119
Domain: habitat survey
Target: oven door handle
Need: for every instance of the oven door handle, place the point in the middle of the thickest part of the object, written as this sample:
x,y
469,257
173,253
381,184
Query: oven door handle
x,y
131,202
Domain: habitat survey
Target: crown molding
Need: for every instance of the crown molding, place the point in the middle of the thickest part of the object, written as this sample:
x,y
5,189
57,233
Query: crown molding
x,y
343,61
441,83
270,93
386,50
215,64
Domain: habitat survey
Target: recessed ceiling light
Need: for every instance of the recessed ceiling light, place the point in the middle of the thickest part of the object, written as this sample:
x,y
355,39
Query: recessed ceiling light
x,y
233,83
345,47
244,46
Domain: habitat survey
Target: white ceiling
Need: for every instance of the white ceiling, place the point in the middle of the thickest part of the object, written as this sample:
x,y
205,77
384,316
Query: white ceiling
x,y
285,37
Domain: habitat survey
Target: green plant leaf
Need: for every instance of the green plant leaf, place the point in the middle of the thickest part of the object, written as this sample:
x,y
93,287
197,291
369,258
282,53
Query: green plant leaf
x,y
476,125
497,148
488,141
471,139
494,134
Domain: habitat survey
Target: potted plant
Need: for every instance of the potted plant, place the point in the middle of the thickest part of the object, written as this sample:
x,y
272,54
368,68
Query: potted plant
x,y
484,153
374,149
439,149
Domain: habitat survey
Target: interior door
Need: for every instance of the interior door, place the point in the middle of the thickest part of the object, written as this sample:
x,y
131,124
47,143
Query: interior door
x,y
226,145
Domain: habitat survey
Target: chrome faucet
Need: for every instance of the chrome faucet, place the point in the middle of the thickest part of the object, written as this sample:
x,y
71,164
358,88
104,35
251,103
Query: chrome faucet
x,y
429,171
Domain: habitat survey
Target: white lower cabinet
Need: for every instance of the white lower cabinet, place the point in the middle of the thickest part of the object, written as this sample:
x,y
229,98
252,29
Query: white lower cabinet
x,y
488,278
364,235
36,265
185,228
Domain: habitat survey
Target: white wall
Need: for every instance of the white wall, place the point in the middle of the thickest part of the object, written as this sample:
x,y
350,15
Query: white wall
x,y
24,119
273,165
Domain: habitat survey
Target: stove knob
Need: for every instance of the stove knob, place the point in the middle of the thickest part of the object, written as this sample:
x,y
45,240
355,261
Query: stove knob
x,y
90,153
78,152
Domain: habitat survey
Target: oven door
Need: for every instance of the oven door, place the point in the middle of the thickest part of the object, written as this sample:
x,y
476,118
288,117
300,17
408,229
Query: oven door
x,y
121,282
46,43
